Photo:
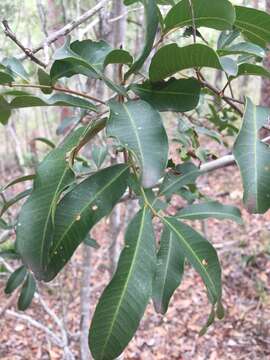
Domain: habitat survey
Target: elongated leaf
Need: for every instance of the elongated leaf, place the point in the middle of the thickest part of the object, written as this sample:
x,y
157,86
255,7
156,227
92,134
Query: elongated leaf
x,y
170,269
151,24
210,209
252,69
254,25
5,110
15,68
27,293
123,302
218,15
19,180
173,95
243,48
34,230
184,174
99,154
55,100
201,255
118,56
171,59
87,60
5,78
14,200
80,210
252,157
93,52
138,127
15,279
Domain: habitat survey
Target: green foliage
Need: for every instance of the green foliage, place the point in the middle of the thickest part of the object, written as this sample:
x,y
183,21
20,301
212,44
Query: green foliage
x,y
71,193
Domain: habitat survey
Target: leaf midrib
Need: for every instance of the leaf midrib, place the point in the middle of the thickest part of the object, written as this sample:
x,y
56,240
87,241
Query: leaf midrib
x,y
126,282
213,290
85,208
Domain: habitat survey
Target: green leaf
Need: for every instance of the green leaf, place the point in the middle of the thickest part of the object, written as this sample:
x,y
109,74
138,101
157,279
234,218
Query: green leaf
x,y
252,157
18,180
170,269
4,225
45,141
245,48
99,154
150,25
174,95
5,110
252,69
210,209
201,255
27,293
15,68
86,56
15,279
218,15
14,200
138,127
5,78
171,59
91,242
35,223
80,210
92,52
254,25
229,65
118,56
45,80
55,100
123,302
10,254
184,174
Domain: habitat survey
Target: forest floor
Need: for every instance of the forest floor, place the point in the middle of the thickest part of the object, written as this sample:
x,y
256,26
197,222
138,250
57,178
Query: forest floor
x,y
243,334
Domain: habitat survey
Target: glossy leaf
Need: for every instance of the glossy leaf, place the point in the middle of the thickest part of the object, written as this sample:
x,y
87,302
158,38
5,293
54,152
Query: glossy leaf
x,y
118,56
218,15
27,293
252,157
85,56
123,302
99,154
15,279
171,59
5,110
15,68
45,80
243,48
138,127
200,254
184,174
170,269
151,25
254,25
78,211
211,209
92,52
173,95
252,69
35,223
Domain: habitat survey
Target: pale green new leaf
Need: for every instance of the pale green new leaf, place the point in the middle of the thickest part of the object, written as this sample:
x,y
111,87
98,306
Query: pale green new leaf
x,y
80,210
218,15
174,95
243,48
210,209
253,158
15,68
123,302
138,127
200,254
35,223
170,269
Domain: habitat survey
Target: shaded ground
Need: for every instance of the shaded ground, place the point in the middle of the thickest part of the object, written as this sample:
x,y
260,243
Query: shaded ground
x,y
244,333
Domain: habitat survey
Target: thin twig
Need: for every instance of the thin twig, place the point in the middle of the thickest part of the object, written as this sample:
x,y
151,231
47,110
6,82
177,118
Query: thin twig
x,y
28,52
